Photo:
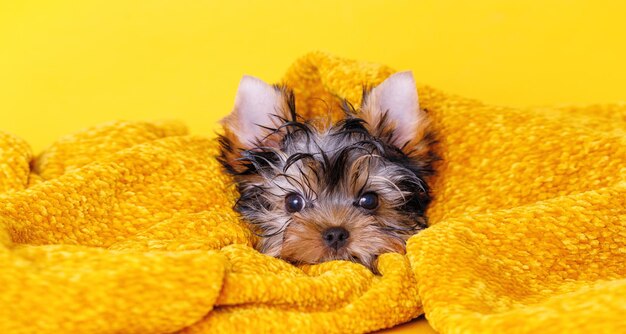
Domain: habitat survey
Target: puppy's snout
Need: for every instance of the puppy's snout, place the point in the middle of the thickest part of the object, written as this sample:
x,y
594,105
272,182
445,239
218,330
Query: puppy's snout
x,y
335,237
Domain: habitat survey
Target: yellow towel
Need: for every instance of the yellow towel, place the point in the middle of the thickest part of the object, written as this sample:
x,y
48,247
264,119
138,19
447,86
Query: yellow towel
x,y
128,227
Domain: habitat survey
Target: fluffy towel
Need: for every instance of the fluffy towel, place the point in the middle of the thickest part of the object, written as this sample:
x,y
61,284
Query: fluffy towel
x,y
128,227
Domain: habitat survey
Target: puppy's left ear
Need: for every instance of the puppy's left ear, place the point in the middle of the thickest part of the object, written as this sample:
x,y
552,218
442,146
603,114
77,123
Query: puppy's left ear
x,y
260,110
392,113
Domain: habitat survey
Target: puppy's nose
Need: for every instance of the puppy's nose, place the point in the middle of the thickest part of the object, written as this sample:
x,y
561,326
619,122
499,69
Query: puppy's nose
x,y
335,237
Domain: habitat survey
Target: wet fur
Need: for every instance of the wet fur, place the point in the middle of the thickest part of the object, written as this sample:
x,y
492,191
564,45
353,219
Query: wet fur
x,y
331,166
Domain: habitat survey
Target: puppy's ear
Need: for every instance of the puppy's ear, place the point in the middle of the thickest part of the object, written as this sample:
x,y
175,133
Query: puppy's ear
x,y
260,109
392,113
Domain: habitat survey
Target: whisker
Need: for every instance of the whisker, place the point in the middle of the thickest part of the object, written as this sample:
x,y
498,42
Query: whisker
x,y
279,231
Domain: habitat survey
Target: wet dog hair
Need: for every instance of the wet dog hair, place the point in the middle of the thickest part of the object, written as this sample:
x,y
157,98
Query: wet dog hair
x,y
345,191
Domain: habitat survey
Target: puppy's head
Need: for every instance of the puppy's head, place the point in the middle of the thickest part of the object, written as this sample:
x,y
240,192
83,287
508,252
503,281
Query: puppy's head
x,y
345,191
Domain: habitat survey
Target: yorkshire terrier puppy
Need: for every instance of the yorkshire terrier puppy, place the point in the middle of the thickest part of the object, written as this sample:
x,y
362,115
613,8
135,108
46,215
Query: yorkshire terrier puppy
x,y
319,192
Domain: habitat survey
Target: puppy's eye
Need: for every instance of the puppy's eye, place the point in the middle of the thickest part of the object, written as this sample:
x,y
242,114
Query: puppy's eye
x,y
368,201
294,202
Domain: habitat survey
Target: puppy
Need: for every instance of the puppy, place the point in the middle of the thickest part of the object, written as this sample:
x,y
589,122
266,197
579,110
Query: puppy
x,y
351,190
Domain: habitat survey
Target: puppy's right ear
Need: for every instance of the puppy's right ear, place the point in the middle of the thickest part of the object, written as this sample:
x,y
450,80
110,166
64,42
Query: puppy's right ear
x,y
260,109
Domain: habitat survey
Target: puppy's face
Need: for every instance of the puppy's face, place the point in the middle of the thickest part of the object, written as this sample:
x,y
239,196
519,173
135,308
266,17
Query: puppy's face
x,y
349,191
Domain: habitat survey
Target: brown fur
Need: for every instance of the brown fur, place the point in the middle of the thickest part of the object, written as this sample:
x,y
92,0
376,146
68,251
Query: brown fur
x,y
330,167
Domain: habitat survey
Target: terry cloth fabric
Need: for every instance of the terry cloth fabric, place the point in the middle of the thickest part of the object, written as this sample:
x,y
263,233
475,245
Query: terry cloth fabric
x,y
128,227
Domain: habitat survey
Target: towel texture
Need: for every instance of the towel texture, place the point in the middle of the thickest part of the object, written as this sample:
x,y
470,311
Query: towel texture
x,y
128,227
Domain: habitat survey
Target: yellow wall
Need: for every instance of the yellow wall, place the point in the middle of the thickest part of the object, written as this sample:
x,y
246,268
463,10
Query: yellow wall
x,y
66,64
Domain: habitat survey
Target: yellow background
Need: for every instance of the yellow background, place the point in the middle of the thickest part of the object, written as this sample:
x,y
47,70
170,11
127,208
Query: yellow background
x,y
65,64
